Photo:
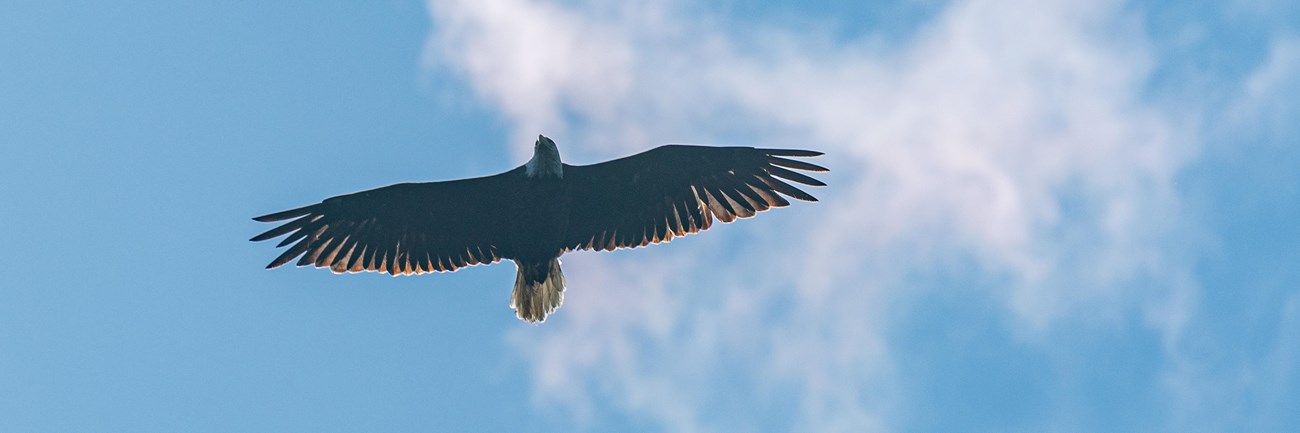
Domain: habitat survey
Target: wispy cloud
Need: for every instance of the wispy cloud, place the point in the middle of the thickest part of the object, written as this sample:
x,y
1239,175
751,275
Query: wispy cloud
x,y
1008,134
1253,392
1266,100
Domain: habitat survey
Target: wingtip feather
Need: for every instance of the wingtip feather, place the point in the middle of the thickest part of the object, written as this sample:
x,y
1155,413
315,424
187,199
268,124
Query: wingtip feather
x,y
284,215
794,176
797,153
798,165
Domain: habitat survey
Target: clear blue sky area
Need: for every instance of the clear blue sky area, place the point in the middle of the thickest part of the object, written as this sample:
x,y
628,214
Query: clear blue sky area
x,y
141,137
137,139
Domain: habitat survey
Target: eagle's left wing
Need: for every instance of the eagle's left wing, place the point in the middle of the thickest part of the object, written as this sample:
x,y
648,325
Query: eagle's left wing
x,y
408,228
675,190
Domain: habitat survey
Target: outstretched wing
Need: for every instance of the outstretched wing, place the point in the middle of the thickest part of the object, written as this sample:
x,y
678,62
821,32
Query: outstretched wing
x,y
675,190
408,228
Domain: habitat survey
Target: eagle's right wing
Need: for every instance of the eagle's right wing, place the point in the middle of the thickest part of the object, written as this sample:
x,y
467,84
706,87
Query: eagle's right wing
x,y
407,228
675,190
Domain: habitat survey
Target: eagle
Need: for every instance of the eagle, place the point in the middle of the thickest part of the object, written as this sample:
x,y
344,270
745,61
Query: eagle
x,y
538,211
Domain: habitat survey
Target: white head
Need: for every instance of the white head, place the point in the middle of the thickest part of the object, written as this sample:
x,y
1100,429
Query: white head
x,y
546,159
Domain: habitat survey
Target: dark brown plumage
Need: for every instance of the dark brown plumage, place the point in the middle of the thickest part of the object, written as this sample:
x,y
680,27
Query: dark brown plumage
x,y
536,212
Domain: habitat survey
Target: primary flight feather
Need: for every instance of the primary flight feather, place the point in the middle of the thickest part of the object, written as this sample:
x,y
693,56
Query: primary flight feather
x,y
539,211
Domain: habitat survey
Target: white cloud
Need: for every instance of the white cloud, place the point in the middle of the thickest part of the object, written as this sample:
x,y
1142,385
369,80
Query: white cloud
x,y
1005,132
532,58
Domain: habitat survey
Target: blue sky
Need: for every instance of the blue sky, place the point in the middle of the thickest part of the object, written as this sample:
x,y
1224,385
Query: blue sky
x,y
1043,216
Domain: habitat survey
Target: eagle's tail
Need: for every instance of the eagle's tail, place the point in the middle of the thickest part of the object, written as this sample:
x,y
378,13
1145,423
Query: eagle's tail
x,y
539,290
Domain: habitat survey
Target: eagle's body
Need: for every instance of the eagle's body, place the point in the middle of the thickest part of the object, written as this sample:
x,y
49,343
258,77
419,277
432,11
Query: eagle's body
x,y
538,211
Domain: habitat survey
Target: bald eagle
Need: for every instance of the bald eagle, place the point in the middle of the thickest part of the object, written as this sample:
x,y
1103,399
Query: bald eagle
x,y
538,211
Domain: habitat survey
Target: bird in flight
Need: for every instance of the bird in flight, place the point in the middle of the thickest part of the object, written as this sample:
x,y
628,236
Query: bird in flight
x,y
539,211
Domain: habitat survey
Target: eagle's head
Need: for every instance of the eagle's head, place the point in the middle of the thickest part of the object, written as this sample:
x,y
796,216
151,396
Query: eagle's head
x,y
546,159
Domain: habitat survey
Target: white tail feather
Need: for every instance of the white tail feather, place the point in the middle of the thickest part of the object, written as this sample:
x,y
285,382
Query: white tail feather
x,y
539,290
